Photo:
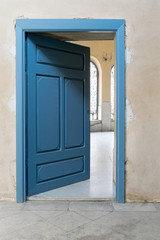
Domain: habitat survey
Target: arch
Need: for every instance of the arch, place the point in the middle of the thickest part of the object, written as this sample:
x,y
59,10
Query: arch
x,y
93,91
97,63
112,91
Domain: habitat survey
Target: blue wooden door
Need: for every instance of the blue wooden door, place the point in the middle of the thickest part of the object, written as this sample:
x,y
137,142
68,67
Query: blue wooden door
x,y
58,102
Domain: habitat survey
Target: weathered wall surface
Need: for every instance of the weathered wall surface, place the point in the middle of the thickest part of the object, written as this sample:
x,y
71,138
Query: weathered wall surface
x,y
142,85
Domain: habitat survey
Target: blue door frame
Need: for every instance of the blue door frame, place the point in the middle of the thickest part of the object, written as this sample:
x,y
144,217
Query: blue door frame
x,y
69,25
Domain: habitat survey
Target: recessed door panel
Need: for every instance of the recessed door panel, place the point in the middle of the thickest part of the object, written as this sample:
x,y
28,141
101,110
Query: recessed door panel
x,y
74,113
59,58
48,113
61,169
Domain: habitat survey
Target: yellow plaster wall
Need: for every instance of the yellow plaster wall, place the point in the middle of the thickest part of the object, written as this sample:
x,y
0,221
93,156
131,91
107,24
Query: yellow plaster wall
x,y
142,85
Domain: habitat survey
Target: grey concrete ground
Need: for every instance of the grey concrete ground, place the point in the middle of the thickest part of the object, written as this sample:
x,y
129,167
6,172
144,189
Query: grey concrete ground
x,y
64,220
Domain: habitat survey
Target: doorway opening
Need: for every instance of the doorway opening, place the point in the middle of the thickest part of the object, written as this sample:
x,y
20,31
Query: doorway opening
x,y
81,26
102,137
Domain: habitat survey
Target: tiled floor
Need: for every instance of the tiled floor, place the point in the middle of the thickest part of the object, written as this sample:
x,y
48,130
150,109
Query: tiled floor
x,y
64,220
100,185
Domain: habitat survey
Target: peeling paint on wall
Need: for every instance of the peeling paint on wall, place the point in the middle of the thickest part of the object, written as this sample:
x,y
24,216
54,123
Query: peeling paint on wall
x,y
9,49
10,103
12,176
12,51
129,55
130,116
127,29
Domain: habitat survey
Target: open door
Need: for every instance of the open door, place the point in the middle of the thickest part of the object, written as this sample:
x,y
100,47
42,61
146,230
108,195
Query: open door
x,y
58,113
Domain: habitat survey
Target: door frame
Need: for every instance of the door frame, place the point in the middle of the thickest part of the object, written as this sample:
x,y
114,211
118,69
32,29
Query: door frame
x,y
68,25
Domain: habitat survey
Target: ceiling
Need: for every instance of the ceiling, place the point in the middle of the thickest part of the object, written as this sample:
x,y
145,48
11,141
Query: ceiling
x,y
80,36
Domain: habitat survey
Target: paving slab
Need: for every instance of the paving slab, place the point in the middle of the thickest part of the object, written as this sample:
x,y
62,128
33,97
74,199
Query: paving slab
x,y
157,206
68,221
121,225
57,220
48,214
91,206
134,207
17,222
38,231
92,215
11,206
46,206
7,213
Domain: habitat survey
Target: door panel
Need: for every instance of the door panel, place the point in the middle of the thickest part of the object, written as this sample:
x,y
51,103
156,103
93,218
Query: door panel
x,y
48,107
58,127
54,57
66,167
74,125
